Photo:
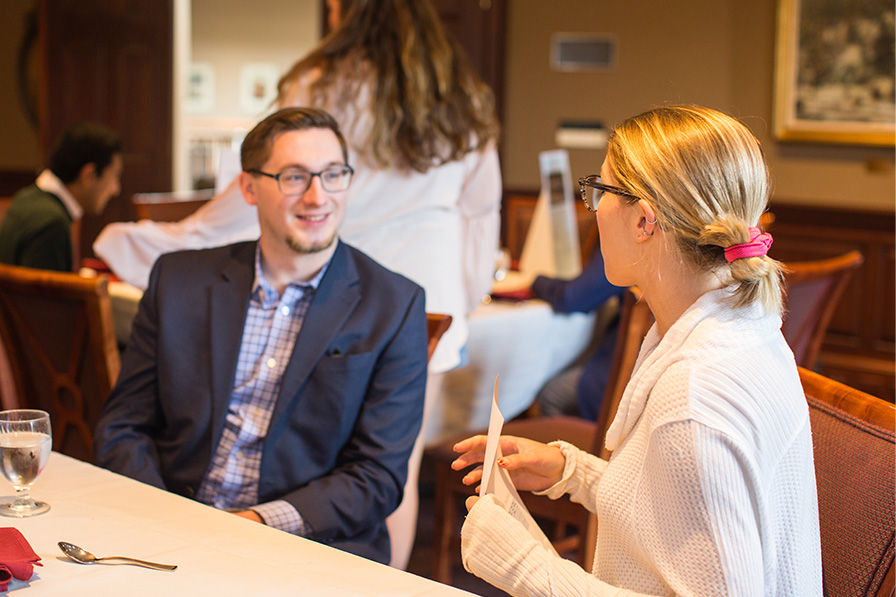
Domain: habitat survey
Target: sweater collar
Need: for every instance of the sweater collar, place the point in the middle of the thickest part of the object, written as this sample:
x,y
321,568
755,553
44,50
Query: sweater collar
x,y
50,183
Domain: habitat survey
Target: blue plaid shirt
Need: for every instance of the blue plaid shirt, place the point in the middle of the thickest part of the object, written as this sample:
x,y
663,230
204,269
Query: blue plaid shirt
x,y
272,325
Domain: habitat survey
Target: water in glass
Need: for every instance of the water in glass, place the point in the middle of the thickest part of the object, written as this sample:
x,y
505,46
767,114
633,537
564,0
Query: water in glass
x,y
25,445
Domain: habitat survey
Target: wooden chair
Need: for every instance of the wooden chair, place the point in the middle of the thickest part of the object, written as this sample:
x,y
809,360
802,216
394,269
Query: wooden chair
x,y
402,523
58,334
169,207
5,202
436,325
853,440
634,321
9,398
812,290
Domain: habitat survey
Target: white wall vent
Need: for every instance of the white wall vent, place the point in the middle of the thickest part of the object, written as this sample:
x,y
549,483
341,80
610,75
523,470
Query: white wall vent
x,y
583,52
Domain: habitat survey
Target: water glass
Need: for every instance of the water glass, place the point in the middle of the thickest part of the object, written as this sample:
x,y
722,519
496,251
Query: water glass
x,y
25,446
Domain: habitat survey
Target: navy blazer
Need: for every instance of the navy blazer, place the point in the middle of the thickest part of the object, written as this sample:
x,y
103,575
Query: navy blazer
x,y
349,409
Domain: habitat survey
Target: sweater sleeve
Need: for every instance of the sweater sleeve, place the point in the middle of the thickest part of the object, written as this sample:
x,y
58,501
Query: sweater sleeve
x,y
496,548
581,474
697,507
697,528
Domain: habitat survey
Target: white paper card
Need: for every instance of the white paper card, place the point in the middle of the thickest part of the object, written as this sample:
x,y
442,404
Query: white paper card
x,y
552,246
496,480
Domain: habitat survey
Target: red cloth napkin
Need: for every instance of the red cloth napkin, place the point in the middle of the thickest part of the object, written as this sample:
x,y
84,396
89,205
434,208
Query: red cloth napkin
x,y
522,294
17,559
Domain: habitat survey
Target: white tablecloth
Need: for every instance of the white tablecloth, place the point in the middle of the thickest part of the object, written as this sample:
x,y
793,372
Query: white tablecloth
x,y
216,553
125,299
526,344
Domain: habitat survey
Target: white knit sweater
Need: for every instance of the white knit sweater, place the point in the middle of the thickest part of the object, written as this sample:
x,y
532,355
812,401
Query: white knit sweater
x,y
711,487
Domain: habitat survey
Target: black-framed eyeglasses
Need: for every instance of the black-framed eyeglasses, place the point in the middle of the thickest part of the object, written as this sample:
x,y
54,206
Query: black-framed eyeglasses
x,y
296,181
593,189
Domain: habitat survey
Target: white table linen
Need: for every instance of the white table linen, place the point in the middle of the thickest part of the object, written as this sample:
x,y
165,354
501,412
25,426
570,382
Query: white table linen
x,y
525,343
216,553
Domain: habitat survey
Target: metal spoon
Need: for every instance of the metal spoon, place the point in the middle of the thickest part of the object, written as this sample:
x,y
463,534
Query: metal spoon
x,y
85,557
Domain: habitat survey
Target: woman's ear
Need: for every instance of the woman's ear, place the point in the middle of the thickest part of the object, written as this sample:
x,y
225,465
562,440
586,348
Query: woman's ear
x,y
646,220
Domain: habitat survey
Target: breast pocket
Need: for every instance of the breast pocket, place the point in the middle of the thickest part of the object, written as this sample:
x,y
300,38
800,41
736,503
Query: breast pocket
x,y
338,385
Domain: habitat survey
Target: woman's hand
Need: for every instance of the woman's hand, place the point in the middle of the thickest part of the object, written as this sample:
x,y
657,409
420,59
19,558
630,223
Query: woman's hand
x,y
533,466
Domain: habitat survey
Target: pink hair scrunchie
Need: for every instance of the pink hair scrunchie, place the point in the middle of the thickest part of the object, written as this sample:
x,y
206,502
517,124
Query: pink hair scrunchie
x,y
757,247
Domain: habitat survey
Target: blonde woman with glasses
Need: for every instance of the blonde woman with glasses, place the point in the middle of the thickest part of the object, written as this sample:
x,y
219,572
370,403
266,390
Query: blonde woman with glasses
x,y
711,486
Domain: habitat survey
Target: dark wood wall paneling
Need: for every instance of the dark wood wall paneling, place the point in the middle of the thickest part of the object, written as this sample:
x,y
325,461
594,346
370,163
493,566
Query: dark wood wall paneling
x,y
479,26
13,180
111,61
860,345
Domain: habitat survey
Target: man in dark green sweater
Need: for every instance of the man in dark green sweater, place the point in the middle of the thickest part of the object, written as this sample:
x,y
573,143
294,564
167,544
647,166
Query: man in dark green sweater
x,y
83,174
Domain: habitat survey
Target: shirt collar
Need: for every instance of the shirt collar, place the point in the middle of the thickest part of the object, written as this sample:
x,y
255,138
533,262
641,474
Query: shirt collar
x,y
267,295
50,183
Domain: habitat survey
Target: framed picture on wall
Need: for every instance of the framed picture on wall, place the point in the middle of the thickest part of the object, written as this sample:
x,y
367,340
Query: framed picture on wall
x,y
258,86
201,88
834,72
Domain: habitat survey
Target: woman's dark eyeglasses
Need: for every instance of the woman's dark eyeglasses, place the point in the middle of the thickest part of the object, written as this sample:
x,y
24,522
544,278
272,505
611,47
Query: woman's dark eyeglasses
x,y
296,181
593,189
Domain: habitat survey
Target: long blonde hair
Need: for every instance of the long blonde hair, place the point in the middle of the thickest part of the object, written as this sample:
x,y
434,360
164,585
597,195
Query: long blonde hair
x,y
705,175
429,106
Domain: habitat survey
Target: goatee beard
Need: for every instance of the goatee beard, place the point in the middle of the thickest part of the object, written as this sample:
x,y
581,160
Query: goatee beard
x,y
306,248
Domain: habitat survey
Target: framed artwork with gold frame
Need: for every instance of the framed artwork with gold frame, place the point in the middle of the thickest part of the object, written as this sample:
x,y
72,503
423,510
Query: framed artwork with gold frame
x,y
834,72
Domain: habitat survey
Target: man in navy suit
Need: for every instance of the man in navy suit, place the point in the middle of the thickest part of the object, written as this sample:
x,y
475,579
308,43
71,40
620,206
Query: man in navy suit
x,y
284,379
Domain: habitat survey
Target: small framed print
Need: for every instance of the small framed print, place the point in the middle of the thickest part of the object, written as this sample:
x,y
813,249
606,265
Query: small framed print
x,y
258,86
201,88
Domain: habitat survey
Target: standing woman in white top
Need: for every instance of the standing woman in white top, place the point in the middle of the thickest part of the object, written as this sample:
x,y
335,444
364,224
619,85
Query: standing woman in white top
x,y
711,486
421,129
426,194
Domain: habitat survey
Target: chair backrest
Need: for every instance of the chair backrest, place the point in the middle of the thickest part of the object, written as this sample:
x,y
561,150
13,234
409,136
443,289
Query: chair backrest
x,y
59,337
9,398
635,320
812,290
853,439
436,325
169,207
5,202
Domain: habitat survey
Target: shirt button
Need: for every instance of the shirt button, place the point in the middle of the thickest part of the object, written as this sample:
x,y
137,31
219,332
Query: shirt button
x,y
239,455
284,310
272,363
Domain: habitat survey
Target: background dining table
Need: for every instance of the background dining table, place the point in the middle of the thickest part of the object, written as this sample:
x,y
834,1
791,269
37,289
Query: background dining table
x,y
525,343
216,553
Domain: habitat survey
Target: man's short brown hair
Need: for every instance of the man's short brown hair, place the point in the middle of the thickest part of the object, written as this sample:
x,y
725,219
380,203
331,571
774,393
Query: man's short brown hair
x,y
256,148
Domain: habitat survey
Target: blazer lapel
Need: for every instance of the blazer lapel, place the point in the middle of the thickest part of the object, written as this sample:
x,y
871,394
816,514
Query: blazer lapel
x,y
335,299
228,302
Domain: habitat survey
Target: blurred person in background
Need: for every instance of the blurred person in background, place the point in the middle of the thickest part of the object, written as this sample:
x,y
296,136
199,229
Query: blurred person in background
x,y
83,174
578,390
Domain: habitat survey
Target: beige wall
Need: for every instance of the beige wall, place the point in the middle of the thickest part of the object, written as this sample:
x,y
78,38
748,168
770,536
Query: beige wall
x,y
718,53
714,52
231,33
